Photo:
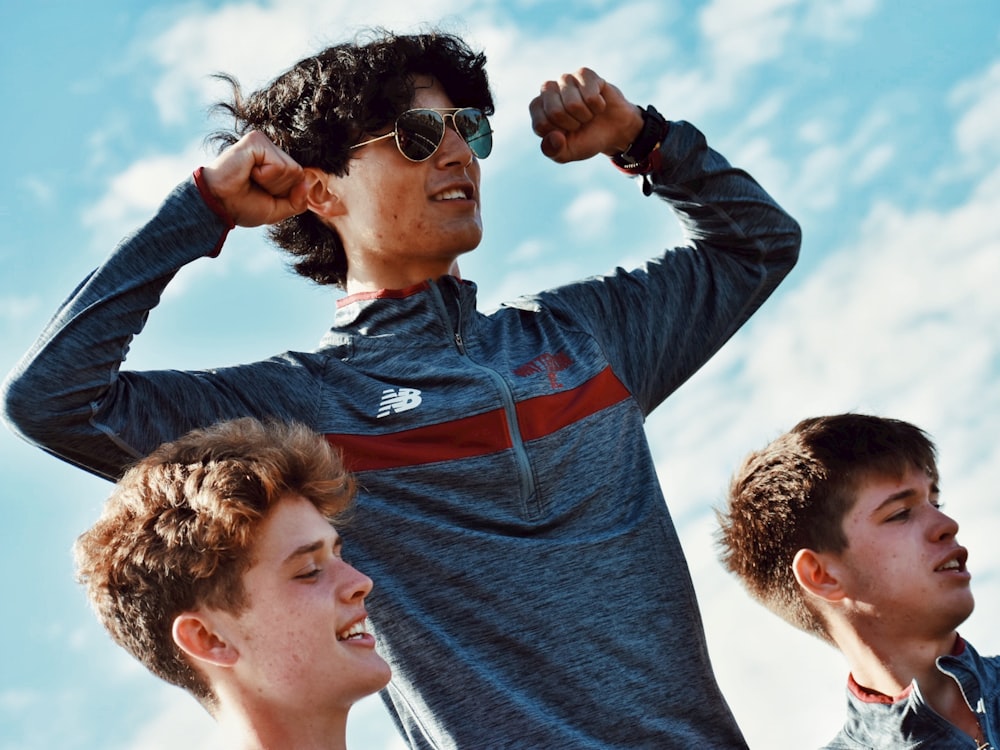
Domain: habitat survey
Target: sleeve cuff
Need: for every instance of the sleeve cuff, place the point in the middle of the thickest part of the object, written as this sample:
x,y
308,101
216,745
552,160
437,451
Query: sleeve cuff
x,y
217,208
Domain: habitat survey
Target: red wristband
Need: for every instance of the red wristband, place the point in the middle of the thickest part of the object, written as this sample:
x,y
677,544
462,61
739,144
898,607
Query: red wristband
x,y
217,208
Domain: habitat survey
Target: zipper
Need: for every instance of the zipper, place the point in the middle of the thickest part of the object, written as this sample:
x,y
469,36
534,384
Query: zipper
x,y
525,477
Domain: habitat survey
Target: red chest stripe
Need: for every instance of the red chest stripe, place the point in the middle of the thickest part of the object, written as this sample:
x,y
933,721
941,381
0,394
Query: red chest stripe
x,y
543,415
481,434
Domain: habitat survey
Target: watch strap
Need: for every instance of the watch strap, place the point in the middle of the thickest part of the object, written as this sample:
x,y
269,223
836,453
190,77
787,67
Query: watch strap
x,y
635,160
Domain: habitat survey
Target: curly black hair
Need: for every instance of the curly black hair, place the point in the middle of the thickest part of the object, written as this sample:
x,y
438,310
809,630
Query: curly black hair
x,y
321,106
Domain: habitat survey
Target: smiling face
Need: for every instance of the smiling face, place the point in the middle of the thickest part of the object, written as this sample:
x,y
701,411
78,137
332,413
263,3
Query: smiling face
x,y
402,222
903,567
301,640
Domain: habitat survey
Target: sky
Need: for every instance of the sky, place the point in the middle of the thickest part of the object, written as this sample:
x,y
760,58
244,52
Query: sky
x,y
873,123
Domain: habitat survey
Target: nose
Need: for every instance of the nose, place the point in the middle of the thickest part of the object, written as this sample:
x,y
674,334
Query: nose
x,y
944,526
454,148
355,585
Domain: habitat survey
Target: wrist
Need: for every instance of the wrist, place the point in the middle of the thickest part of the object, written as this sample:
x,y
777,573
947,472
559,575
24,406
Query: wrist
x,y
636,159
216,207
630,132
210,199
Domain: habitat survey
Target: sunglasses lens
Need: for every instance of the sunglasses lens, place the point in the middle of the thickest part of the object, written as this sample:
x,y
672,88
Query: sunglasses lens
x,y
419,132
474,127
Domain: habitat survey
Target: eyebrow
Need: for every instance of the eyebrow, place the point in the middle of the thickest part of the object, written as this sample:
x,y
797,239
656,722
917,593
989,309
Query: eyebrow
x,y
311,547
903,495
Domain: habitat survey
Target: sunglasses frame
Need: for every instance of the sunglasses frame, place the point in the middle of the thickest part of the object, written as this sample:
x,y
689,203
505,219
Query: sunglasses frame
x,y
445,113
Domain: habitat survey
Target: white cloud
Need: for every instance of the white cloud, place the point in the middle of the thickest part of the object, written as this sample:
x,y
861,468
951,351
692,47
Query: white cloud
x,y
256,41
838,19
872,162
248,40
590,214
691,94
765,111
178,722
524,279
17,701
743,34
134,194
17,309
529,250
979,97
43,192
836,162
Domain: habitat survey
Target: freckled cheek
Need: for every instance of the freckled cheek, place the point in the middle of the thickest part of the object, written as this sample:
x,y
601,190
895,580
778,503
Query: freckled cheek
x,y
295,641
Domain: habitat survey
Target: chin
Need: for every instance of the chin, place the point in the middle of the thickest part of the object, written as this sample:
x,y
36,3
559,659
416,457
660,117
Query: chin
x,y
376,679
470,242
961,612
467,236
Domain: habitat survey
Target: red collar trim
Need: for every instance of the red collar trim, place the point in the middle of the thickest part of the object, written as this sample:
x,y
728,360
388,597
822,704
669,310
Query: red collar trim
x,y
867,695
383,294
874,696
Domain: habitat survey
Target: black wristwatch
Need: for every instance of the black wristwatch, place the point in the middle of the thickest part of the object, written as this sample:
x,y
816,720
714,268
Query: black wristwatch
x,y
635,159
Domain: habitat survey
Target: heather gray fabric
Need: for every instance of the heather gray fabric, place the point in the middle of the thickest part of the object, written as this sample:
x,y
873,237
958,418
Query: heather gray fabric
x,y
908,723
530,590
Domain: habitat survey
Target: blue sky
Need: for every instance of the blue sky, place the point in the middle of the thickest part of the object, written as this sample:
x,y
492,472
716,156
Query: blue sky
x,y
874,123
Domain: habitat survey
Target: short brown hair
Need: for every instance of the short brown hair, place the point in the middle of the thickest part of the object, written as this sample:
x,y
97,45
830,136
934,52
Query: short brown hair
x,y
178,529
794,494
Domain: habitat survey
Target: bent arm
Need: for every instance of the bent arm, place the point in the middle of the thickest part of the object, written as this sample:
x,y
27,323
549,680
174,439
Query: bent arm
x,y
56,396
67,394
660,323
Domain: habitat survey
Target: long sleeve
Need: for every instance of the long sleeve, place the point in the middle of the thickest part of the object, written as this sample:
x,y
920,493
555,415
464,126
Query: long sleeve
x,y
660,323
68,395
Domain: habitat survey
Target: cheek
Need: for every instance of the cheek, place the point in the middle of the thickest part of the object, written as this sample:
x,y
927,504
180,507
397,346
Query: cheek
x,y
395,205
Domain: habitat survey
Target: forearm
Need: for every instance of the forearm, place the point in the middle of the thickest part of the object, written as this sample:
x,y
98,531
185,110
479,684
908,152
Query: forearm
x,y
659,323
73,365
721,207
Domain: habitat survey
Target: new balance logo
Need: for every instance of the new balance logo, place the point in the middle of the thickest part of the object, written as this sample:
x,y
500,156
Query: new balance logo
x,y
398,400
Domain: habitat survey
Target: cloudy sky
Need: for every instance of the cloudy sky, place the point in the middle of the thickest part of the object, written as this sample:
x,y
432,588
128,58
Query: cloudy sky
x,y
873,123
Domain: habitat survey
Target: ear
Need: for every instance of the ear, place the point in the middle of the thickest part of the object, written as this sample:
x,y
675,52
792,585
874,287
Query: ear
x,y
322,197
195,635
817,573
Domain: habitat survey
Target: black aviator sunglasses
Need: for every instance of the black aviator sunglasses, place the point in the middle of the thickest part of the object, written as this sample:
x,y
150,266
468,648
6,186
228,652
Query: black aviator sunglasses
x,y
420,132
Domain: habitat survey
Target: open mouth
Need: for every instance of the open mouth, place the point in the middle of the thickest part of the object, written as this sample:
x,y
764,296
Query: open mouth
x,y
453,194
954,563
950,565
357,631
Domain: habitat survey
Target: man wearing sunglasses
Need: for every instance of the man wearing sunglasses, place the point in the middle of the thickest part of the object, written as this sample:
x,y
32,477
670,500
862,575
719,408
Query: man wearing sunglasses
x,y
532,591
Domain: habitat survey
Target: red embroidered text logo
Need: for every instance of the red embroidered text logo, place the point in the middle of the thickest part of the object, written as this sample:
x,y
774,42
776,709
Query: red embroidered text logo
x,y
550,364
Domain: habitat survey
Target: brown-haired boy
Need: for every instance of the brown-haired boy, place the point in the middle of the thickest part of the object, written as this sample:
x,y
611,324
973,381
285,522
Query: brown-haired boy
x,y
836,526
215,564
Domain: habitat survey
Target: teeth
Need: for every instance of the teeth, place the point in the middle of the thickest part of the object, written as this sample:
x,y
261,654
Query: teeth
x,y
355,631
449,195
951,565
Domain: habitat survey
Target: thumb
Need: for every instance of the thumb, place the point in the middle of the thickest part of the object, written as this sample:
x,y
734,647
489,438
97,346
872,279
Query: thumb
x,y
553,144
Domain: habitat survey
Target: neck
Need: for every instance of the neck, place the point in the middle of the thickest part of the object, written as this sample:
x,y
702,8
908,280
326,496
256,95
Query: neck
x,y
249,729
372,276
889,667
